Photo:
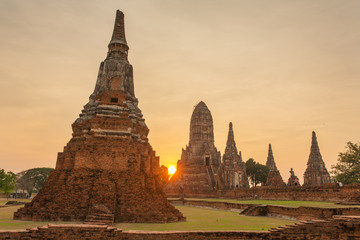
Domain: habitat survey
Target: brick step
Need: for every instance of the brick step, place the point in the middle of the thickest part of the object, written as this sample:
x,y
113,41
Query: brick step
x,y
100,219
98,222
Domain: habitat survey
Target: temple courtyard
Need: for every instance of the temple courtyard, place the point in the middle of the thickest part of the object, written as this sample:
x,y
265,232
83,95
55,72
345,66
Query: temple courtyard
x,y
198,217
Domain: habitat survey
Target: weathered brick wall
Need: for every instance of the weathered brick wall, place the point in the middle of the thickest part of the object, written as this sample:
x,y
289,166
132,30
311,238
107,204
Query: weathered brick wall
x,y
308,213
328,192
62,232
70,195
337,228
274,179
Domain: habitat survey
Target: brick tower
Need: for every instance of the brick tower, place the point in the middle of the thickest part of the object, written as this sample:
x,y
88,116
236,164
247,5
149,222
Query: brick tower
x,y
197,170
274,178
316,173
108,166
233,169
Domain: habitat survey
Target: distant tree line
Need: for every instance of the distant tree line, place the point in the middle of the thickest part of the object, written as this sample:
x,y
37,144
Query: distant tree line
x,y
256,172
32,180
7,182
29,181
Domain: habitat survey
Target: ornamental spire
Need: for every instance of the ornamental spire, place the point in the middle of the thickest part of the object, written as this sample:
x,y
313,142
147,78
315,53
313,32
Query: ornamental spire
x,y
270,163
316,172
118,41
230,150
230,135
315,151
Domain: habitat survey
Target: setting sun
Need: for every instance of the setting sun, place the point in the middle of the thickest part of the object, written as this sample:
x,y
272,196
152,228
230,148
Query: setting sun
x,y
172,169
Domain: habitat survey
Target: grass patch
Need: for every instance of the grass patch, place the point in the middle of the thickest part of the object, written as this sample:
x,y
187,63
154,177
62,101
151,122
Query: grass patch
x,y
7,222
210,219
197,218
278,202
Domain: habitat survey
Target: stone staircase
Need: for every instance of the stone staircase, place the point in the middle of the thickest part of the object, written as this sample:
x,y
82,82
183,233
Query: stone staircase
x,y
100,219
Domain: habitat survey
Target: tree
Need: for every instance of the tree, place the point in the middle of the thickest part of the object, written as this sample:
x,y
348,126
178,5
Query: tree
x,y
7,182
32,180
256,172
347,168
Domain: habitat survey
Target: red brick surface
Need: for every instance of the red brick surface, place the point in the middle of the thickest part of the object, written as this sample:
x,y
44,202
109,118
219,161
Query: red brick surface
x,y
108,167
327,192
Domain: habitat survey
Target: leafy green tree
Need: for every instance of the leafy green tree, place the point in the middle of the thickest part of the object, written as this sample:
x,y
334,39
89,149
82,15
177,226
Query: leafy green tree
x,y
256,172
32,180
347,168
7,182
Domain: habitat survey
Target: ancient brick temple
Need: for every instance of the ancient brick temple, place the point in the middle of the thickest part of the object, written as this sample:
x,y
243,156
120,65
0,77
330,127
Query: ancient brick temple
x,y
316,173
233,169
108,167
274,178
197,170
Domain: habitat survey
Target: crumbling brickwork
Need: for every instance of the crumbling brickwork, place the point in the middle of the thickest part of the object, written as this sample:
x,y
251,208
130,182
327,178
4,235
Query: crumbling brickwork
x,y
233,170
201,169
198,168
108,167
349,194
326,192
316,172
274,178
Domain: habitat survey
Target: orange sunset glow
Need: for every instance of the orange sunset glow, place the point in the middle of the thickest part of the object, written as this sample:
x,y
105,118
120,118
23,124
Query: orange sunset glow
x,y
277,70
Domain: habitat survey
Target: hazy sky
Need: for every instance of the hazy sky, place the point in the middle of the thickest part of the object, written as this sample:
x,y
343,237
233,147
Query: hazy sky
x,y
277,69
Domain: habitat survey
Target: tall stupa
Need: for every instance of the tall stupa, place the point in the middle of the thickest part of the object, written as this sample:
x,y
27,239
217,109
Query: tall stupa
x,y
274,178
233,169
197,170
108,167
316,172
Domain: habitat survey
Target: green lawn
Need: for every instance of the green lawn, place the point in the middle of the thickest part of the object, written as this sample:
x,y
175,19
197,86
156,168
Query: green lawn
x,y
209,219
197,219
7,222
278,202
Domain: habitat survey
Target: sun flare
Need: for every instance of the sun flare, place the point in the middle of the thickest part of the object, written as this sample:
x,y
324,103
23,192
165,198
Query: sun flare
x,y
172,169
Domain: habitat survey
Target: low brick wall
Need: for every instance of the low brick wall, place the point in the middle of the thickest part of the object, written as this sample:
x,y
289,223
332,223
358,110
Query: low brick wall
x,y
328,192
66,231
300,213
338,228
309,213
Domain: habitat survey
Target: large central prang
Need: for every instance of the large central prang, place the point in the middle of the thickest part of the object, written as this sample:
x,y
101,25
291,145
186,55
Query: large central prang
x,y
108,168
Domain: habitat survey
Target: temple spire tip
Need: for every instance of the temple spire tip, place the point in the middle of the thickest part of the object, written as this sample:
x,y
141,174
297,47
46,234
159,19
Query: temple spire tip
x,y
118,39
